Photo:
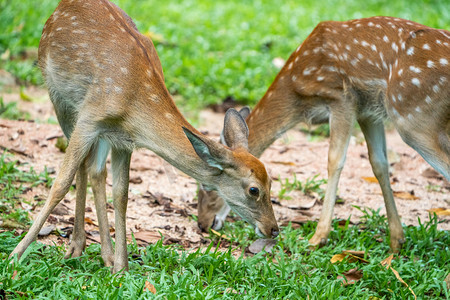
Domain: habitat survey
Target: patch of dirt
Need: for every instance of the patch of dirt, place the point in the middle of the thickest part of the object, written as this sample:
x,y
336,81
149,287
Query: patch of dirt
x,y
162,199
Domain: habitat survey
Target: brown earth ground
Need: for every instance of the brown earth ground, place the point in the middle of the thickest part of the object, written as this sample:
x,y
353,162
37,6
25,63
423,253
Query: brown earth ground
x,y
162,199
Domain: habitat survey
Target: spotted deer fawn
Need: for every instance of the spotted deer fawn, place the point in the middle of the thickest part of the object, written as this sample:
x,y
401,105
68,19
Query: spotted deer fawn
x,y
361,70
107,87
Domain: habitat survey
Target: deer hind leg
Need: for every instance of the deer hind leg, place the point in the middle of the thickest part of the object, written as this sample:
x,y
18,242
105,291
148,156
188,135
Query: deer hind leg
x,y
97,174
78,238
75,154
120,160
342,119
376,144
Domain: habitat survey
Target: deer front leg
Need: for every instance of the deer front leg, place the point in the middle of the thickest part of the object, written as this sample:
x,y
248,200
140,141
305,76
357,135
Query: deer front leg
x,y
121,167
78,238
341,123
98,180
376,144
75,154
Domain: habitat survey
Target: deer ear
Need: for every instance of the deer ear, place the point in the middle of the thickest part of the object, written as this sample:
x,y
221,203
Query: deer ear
x,y
244,112
235,130
214,154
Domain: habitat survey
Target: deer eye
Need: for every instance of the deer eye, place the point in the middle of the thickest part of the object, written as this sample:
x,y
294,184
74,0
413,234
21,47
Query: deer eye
x,y
254,191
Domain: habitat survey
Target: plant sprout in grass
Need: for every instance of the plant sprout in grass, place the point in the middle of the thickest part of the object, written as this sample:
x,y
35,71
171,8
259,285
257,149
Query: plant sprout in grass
x,y
311,185
13,183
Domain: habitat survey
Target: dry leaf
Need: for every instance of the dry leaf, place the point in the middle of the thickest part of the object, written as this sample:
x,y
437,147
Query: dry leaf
x,y
405,195
223,236
338,257
370,179
285,163
262,244
447,280
351,276
350,255
90,221
149,287
14,275
387,263
432,173
46,230
440,211
143,238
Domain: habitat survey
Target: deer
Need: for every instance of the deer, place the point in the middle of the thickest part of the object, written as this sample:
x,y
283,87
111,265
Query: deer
x,y
363,70
106,83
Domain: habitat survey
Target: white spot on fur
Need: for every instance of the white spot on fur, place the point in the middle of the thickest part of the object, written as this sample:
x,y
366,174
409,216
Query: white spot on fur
x,y
414,69
374,47
436,88
428,99
294,78
309,70
410,51
386,39
320,78
426,47
124,70
418,109
108,80
399,97
430,64
443,61
395,47
416,82
118,89
400,72
365,44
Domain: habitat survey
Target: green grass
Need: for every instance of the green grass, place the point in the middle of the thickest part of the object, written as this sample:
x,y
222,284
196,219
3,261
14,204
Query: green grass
x,y
13,184
212,49
11,112
293,271
311,185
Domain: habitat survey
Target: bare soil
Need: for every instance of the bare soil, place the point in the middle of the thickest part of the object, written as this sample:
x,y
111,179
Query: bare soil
x,y
162,199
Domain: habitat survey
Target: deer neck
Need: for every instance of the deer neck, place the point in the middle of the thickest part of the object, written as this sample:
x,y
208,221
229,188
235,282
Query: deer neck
x,y
165,136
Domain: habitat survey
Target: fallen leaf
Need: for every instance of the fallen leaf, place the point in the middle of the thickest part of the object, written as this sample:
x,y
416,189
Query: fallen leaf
x,y
351,256
351,276
60,210
223,236
370,179
285,163
149,287
405,195
136,180
432,173
440,211
262,244
338,257
387,263
14,275
90,221
447,280
46,230
144,238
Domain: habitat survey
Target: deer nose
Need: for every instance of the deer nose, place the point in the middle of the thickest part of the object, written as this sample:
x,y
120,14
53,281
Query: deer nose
x,y
275,232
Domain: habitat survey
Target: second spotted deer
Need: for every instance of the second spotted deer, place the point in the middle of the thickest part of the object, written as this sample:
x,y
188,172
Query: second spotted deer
x,y
363,70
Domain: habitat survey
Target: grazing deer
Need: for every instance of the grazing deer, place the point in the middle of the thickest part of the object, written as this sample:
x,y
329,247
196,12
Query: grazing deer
x,y
361,70
107,87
